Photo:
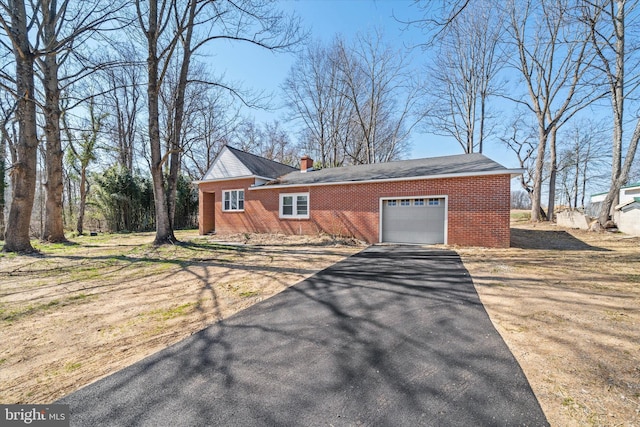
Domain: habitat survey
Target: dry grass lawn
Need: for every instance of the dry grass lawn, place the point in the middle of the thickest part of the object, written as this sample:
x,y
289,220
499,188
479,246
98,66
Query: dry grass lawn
x,y
78,312
566,302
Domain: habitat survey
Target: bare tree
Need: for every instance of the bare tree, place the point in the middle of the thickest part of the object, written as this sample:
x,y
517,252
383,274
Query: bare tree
x,y
122,98
520,200
277,145
169,29
43,33
316,98
268,140
357,101
553,57
16,24
383,94
4,141
436,16
214,121
82,153
62,25
520,138
463,74
8,140
608,21
634,173
581,161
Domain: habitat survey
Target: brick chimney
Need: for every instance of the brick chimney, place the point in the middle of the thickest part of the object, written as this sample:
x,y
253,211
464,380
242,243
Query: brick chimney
x,y
306,164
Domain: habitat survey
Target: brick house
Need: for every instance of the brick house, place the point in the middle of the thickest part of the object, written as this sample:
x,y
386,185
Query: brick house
x,y
457,200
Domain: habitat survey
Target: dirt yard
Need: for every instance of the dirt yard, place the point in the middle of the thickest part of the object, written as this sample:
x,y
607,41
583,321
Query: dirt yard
x,y
81,311
567,303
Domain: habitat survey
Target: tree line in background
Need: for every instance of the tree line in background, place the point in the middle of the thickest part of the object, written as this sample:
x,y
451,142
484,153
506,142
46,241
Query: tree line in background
x,y
109,111
357,102
575,64
96,92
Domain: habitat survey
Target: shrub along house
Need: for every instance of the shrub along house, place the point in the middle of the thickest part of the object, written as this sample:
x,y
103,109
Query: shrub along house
x,y
457,200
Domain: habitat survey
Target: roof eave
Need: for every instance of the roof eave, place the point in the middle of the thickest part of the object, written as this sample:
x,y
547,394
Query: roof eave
x,y
232,178
512,172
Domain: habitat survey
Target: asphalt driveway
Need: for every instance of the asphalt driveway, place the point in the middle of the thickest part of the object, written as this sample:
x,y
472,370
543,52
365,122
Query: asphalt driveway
x,y
392,336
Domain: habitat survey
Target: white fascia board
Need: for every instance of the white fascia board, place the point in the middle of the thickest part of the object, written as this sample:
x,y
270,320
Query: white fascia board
x,y
233,178
513,172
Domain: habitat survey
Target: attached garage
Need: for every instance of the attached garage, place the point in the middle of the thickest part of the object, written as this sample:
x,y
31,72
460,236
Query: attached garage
x,y
421,220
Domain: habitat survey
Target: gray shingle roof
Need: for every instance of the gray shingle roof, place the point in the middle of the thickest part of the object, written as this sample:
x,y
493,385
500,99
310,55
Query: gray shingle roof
x,y
457,164
260,166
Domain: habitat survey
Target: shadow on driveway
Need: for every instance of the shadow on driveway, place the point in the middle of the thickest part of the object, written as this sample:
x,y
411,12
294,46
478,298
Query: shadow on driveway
x,y
394,335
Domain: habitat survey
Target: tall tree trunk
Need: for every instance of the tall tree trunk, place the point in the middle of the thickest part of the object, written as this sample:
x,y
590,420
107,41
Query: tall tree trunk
x,y
175,145
164,232
83,200
617,101
536,197
576,179
3,182
24,170
54,226
70,198
584,174
483,100
553,171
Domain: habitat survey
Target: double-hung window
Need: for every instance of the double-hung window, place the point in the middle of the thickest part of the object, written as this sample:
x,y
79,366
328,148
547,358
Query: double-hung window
x,y
233,200
294,205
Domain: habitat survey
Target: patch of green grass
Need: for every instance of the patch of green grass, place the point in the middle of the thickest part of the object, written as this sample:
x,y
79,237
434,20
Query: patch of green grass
x,y
78,297
56,248
205,245
2,361
85,274
72,366
173,312
10,316
31,309
247,294
633,278
521,216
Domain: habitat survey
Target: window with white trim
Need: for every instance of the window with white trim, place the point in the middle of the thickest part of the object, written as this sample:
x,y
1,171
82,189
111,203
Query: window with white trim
x,y
294,205
233,200
392,203
434,202
405,202
418,202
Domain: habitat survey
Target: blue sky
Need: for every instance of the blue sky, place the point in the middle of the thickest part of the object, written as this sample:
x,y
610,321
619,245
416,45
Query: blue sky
x,y
265,71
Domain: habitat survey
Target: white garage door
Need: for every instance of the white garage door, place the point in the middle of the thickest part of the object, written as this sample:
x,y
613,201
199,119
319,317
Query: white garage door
x,y
416,220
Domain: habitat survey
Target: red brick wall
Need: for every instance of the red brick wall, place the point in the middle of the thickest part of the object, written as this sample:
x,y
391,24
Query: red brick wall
x,y
478,209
